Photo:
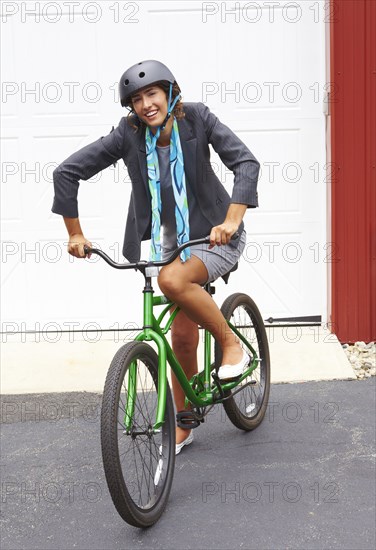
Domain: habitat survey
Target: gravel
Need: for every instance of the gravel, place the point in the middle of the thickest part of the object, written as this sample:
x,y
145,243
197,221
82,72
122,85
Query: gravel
x,y
362,357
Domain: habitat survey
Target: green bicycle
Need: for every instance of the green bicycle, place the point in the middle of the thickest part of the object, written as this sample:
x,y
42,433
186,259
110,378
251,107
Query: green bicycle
x,y
137,415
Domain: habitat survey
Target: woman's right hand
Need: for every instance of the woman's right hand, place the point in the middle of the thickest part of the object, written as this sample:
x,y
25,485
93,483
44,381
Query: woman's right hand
x,y
76,245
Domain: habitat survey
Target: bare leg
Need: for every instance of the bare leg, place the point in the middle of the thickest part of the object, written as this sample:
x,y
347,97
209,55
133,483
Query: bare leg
x,y
184,343
181,283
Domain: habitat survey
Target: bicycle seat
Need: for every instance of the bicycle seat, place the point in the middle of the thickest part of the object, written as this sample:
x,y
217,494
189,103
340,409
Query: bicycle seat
x,y
226,276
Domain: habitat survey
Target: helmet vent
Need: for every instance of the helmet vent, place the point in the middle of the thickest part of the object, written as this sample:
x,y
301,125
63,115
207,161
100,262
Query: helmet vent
x,y
143,75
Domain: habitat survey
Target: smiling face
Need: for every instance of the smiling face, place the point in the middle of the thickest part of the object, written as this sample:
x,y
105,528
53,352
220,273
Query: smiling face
x,y
150,105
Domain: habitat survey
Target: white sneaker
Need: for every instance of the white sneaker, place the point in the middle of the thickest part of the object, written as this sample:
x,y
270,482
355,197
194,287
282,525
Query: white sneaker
x,y
226,372
158,472
186,441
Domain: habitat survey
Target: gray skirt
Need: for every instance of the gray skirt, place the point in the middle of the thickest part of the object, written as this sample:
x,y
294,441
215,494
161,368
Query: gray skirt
x,y
219,259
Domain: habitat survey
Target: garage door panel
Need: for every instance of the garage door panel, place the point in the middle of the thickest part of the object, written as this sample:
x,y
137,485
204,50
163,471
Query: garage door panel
x,y
274,79
282,263
210,59
56,287
279,62
11,190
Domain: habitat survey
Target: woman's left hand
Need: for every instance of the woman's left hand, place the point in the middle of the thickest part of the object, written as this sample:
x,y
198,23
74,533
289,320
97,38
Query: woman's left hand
x,y
221,234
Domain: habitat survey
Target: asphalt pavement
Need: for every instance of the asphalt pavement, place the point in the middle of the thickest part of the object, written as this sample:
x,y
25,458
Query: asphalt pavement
x,y
304,479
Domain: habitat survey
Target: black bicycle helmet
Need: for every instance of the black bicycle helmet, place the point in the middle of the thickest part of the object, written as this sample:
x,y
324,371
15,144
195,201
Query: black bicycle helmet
x,y
140,75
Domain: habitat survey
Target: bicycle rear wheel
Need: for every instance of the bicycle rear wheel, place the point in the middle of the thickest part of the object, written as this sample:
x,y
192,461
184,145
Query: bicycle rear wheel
x,y
247,408
138,462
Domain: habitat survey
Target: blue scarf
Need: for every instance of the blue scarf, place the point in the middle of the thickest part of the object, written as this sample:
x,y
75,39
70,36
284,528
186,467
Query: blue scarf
x,y
179,188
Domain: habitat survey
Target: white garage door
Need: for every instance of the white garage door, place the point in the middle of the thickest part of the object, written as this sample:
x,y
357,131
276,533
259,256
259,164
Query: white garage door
x,y
260,66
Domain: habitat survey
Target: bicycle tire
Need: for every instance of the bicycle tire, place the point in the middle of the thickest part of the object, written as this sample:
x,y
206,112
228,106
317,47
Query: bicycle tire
x,y
247,408
140,502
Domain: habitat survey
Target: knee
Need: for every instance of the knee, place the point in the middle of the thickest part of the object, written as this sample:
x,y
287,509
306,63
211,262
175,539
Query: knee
x,y
170,283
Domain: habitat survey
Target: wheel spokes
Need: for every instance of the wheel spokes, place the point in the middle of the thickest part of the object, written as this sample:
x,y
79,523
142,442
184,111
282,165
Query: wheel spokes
x,y
250,399
141,451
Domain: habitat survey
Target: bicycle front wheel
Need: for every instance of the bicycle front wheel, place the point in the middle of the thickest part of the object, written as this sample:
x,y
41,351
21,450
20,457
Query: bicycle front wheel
x,y
246,409
138,461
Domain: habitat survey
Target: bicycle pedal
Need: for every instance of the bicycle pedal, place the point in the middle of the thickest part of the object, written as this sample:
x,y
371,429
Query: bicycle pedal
x,y
187,420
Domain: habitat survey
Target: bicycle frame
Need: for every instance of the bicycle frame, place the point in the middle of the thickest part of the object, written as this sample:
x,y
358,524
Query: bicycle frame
x,y
153,331
210,393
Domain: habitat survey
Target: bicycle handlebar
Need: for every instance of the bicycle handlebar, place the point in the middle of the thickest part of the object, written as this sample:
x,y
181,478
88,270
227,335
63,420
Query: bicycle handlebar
x,y
142,264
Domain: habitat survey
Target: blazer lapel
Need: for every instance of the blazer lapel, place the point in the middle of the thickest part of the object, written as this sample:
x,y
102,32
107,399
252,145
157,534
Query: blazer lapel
x,y
141,153
189,145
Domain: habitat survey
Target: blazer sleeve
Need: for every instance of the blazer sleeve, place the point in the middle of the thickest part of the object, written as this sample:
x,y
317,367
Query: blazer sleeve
x,y
83,165
235,155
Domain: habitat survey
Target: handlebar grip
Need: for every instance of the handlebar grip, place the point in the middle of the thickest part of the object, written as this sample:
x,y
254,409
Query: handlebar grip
x,y
87,249
235,236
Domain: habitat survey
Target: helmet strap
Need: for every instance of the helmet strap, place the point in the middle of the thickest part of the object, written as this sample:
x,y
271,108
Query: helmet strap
x,y
169,107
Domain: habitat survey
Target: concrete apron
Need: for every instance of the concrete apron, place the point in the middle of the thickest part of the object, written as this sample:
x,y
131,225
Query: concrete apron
x,y
62,362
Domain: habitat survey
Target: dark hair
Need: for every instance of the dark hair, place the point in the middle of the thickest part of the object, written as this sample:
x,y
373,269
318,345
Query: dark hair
x,y
178,111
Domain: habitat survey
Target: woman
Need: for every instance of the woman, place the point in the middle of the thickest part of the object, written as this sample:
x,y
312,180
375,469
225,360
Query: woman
x,y
175,197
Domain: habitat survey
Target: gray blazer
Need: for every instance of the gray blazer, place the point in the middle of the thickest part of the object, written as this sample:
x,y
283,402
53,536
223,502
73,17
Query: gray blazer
x,y
199,128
